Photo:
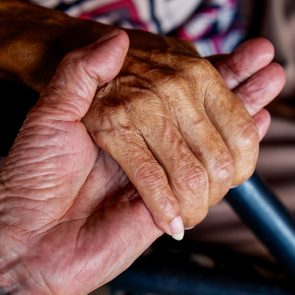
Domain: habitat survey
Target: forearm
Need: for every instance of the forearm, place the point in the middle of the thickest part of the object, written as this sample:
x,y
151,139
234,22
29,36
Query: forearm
x,y
36,39
34,45
8,280
9,283
13,284
14,277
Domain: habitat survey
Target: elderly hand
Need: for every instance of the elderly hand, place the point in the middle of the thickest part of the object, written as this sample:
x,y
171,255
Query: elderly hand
x,y
181,136
70,220
168,119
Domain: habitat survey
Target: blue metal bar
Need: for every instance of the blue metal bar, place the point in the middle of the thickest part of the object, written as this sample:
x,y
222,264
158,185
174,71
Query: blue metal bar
x,y
260,209
170,268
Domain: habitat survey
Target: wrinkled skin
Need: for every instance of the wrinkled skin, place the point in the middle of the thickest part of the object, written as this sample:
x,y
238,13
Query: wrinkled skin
x,y
159,112
89,223
153,118
88,218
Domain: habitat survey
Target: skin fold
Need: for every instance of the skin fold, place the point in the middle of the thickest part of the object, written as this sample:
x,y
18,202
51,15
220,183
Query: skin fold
x,y
155,133
153,118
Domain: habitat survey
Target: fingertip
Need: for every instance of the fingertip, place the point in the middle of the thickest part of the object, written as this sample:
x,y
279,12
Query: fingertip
x,y
246,60
75,82
120,38
261,88
124,36
259,47
108,55
169,220
280,76
273,78
262,120
177,228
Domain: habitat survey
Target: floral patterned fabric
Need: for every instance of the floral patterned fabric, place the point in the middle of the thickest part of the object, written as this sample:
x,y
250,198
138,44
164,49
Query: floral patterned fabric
x,y
213,25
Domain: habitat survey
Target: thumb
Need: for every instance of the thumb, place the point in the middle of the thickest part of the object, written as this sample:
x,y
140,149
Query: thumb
x,y
72,88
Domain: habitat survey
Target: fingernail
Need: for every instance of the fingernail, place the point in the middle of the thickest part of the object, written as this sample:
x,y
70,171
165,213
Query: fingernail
x,y
109,35
188,228
177,228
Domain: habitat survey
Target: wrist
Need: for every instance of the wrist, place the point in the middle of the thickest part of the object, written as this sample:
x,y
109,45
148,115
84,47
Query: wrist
x,y
9,262
15,279
9,259
8,282
16,276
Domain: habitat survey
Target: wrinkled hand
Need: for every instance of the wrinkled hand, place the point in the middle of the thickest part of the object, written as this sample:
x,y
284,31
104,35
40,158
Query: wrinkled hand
x,y
181,136
55,221
70,220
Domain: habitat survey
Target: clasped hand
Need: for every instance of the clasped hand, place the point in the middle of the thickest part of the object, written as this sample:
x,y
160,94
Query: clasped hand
x,y
166,130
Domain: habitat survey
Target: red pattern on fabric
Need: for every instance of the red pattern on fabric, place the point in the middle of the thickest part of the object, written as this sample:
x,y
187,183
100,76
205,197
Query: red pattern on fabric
x,y
116,6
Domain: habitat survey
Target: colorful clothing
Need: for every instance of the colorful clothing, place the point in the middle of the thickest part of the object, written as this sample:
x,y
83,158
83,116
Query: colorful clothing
x,y
213,25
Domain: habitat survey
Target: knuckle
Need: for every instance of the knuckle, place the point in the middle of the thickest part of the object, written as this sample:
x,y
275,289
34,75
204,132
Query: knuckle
x,y
172,81
248,147
153,181
197,122
246,172
194,206
73,55
205,63
248,137
149,175
71,58
193,177
165,205
202,66
168,131
76,61
222,169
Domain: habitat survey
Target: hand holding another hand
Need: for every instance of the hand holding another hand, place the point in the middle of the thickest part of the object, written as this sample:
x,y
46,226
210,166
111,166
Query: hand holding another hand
x,y
181,136
70,218
168,119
